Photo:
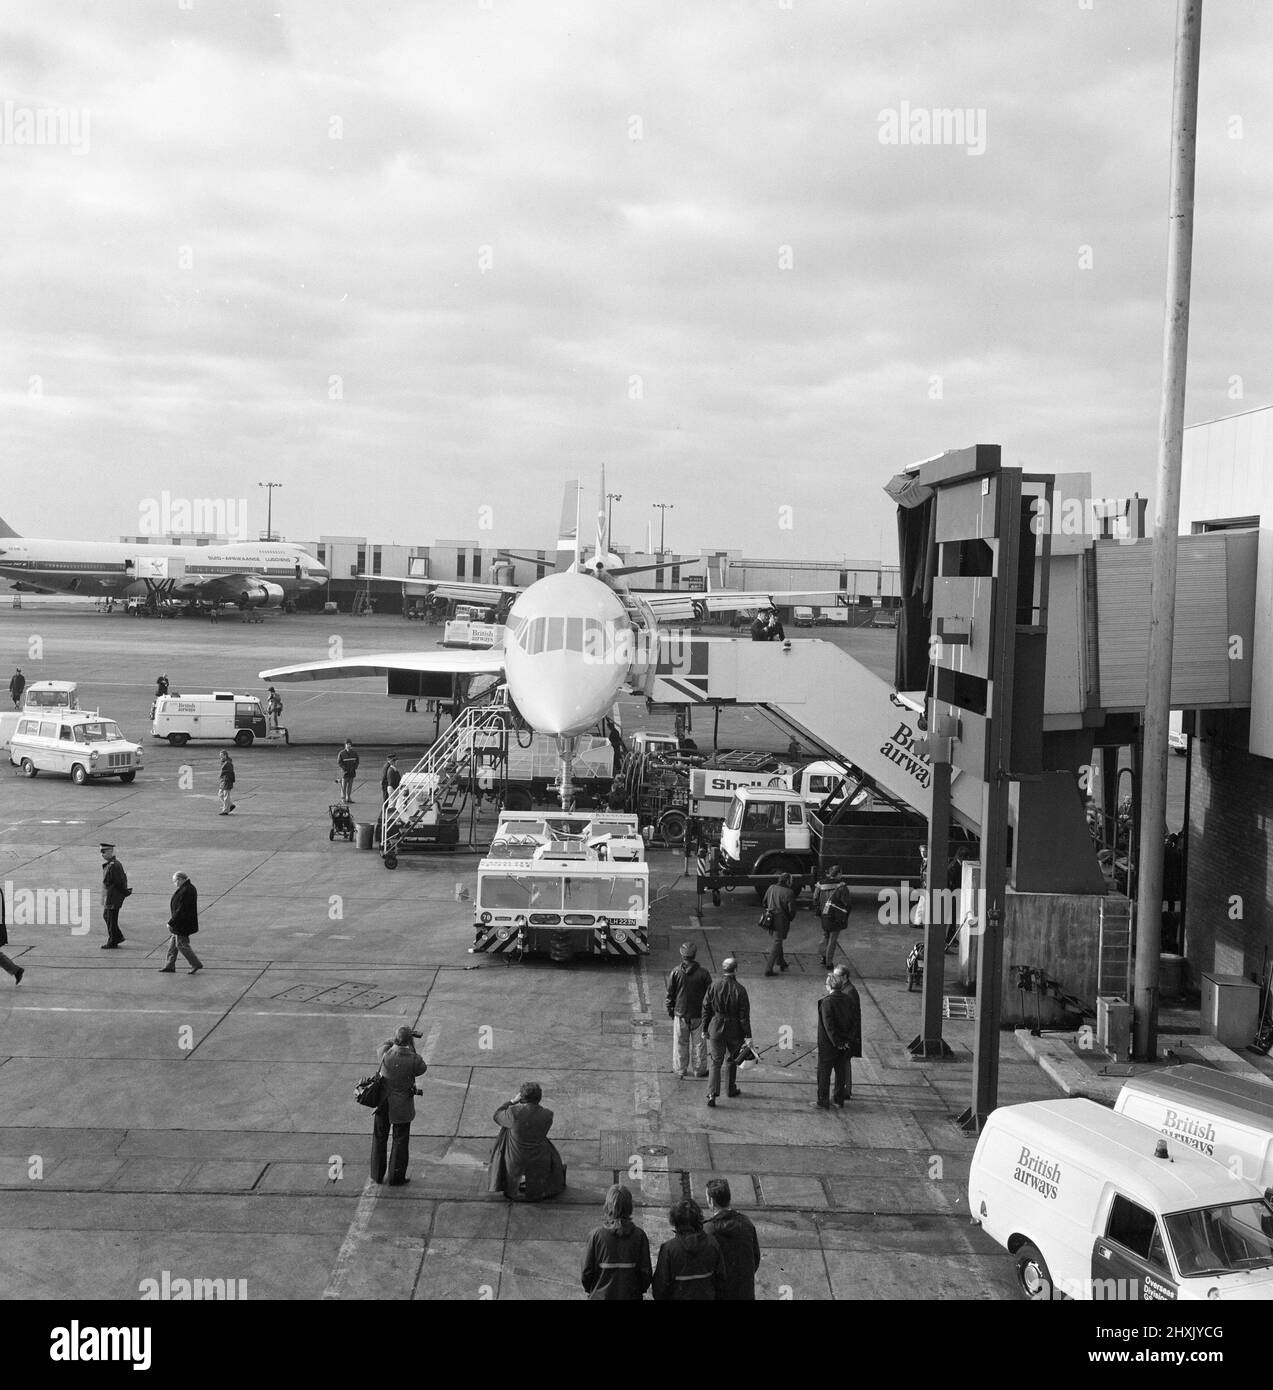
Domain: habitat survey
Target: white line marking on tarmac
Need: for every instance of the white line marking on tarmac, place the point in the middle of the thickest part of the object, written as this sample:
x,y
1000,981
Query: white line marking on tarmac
x,y
645,1084
248,1013
356,1236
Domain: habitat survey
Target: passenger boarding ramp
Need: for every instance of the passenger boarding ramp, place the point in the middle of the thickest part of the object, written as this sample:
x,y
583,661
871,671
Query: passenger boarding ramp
x,y
820,693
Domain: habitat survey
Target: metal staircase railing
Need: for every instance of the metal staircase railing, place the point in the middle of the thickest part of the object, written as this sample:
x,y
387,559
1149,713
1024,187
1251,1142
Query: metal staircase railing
x,y
439,783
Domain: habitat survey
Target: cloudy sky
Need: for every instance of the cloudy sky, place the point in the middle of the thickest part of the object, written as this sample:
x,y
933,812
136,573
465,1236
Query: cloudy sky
x,y
414,260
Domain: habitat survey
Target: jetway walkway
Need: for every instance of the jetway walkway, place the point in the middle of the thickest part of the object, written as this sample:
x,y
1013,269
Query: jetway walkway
x,y
822,694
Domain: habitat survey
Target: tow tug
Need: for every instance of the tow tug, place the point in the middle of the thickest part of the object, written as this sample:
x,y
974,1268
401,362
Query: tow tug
x,y
561,884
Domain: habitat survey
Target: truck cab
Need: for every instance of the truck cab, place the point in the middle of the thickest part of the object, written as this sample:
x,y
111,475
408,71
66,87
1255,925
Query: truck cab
x,y
766,831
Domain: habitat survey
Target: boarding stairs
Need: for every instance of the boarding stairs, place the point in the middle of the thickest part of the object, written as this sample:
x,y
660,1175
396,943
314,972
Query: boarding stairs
x,y
437,788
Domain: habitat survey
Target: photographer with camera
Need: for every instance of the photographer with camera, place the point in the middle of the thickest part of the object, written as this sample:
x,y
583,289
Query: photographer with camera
x,y
400,1064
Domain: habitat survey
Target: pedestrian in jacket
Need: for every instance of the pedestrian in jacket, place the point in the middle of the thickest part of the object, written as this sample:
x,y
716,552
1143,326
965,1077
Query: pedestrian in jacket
x,y
183,922
347,759
390,778
686,987
17,971
273,707
525,1164
161,687
839,1038
690,1267
780,903
114,890
17,684
739,1244
616,1264
727,1023
225,784
832,902
400,1064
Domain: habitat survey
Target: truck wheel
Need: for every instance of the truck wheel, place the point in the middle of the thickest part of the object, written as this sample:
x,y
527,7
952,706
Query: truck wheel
x,y
178,740
79,774
29,769
244,738
672,827
518,799
1033,1275
128,776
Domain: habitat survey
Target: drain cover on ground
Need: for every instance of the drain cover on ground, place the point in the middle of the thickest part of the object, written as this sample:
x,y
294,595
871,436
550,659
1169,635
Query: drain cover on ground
x,y
348,994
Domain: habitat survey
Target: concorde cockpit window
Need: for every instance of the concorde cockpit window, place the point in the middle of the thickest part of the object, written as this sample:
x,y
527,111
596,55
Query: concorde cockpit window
x,y
1222,1240
535,643
556,635
574,634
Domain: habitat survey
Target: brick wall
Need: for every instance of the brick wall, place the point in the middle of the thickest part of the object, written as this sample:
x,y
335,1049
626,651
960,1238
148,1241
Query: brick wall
x,y
1230,851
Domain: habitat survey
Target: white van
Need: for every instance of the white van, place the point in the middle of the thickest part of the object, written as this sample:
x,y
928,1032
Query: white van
x,y
38,697
802,616
1094,1205
1227,1118
221,715
76,742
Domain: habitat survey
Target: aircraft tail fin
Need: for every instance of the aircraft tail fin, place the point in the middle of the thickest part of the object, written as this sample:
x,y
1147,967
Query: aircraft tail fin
x,y
568,528
6,529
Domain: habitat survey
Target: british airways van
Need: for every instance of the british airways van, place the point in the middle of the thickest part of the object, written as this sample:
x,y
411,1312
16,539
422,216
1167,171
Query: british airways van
x,y
1094,1205
1224,1117
221,715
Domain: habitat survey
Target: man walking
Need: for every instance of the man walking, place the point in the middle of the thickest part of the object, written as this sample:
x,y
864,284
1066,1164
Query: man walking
x,y
839,1038
686,986
17,971
348,761
225,784
727,1023
114,890
17,684
780,903
183,922
833,903
736,1236
400,1064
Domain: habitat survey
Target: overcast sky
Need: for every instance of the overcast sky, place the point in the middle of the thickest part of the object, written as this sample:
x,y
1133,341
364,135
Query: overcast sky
x,y
416,260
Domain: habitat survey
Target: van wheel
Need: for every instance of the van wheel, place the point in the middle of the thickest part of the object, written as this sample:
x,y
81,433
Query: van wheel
x,y
178,740
79,775
244,738
1033,1275
128,776
29,769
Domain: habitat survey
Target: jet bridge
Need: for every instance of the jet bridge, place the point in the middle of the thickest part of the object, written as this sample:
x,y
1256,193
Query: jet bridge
x,y
820,693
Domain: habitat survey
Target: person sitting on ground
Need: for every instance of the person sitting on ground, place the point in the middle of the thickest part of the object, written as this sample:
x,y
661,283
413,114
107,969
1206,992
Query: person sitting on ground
x,y
525,1164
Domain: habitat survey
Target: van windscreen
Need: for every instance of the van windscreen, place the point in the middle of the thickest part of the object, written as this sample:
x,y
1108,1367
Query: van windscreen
x,y
1220,1240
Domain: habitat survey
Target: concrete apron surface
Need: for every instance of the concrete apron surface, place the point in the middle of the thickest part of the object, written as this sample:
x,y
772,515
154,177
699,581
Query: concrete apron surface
x,y
204,1127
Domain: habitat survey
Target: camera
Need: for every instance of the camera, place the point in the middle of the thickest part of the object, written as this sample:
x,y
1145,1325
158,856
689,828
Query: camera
x,y
414,1034
417,1090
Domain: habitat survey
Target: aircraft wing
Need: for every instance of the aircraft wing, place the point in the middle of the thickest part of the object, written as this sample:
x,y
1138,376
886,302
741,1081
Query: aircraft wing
x,y
699,605
454,588
458,661
225,587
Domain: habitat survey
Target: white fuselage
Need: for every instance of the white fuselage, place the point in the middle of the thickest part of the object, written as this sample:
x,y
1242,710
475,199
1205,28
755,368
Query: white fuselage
x,y
119,569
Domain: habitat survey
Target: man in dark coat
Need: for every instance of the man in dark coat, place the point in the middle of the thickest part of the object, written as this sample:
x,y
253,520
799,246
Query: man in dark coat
x,y
780,903
839,1037
183,922
400,1064
17,684
525,1165
616,1264
114,891
833,903
390,777
690,1266
736,1236
17,971
686,987
727,1023
225,784
347,760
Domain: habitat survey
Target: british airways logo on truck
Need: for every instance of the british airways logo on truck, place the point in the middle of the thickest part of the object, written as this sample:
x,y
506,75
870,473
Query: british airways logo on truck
x,y
1198,1134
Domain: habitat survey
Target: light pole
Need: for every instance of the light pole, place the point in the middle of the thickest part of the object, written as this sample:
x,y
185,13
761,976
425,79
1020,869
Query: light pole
x,y
269,508
611,499
663,508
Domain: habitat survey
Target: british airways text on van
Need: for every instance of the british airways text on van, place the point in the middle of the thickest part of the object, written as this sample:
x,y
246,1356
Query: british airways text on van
x,y
1224,1117
1093,1205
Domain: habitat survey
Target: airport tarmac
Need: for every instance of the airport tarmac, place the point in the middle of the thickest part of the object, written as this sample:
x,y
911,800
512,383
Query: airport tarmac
x,y
205,1126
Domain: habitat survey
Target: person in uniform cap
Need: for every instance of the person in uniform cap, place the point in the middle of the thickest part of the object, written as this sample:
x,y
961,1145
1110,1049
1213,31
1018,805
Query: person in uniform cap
x,y
686,986
114,890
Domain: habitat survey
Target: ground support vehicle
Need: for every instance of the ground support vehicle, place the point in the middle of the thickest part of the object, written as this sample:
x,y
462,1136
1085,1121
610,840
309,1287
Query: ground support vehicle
x,y
222,715
563,885
38,699
79,743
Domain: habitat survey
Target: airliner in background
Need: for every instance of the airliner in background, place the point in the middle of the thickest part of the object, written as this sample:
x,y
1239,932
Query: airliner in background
x,y
258,574
572,642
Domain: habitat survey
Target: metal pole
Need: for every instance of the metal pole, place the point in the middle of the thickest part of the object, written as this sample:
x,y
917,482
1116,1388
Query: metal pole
x,y
1153,824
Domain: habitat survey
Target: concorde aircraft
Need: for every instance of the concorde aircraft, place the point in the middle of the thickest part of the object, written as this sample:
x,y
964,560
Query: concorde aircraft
x,y
572,642
259,574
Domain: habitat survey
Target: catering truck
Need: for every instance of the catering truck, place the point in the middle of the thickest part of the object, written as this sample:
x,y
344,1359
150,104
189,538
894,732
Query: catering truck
x,y
1094,1205
563,885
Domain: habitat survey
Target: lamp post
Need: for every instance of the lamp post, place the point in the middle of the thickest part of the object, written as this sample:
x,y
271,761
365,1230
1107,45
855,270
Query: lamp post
x,y
269,508
663,508
611,499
